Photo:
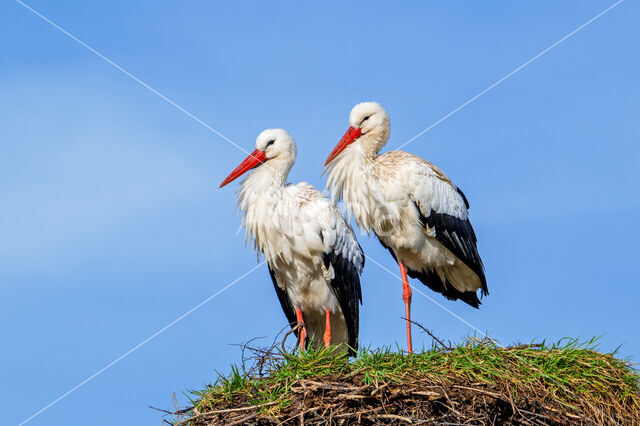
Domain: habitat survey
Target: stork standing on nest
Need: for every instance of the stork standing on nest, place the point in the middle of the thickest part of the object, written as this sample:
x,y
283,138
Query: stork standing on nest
x,y
312,253
414,209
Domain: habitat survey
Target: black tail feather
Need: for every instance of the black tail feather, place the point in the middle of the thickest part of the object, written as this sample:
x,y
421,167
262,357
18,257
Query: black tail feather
x,y
433,281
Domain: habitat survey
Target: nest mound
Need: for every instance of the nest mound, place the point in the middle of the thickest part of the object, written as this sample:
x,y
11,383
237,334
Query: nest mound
x,y
476,382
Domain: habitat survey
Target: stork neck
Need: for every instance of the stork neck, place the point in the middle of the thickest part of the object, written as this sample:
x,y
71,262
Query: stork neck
x,y
272,174
260,199
376,138
354,164
264,185
352,178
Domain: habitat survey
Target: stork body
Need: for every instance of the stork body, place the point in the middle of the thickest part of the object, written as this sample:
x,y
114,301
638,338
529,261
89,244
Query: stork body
x,y
413,208
312,253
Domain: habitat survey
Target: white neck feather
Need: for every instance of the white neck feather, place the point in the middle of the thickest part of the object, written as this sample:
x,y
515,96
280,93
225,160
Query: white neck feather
x,y
260,199
350,178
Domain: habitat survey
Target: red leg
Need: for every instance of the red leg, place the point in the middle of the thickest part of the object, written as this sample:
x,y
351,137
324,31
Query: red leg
x,y
302,330
406,296
327,330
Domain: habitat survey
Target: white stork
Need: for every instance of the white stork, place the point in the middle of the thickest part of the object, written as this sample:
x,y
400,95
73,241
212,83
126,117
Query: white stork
x,y
414,209
312,253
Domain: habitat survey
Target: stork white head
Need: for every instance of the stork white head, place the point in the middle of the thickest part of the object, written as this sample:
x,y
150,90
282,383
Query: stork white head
x,y
368,122
273,146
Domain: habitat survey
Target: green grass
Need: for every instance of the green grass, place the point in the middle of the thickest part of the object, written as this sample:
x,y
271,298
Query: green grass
x,y
569,373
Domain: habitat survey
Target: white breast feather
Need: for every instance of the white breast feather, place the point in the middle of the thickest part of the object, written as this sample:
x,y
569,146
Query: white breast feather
x,y
293,226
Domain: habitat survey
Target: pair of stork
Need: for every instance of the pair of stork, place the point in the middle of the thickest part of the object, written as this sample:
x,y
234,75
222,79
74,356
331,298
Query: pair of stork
x,y
313,255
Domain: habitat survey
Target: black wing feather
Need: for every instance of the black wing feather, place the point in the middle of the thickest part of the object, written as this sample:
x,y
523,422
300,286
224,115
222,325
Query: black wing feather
x,y
457,236
287,307
346,287
464,198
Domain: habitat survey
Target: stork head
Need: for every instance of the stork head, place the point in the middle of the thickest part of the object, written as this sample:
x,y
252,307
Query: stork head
x,y
368,122
273,146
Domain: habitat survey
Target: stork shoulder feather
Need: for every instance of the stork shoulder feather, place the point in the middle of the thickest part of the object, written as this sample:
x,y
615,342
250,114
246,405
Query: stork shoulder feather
x,y
426,184
328,223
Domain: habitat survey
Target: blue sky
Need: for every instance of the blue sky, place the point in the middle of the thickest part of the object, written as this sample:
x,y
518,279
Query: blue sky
x,y
113,224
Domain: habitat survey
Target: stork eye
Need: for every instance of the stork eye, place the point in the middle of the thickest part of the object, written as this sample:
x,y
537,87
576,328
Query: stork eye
x,y
365,119
271,142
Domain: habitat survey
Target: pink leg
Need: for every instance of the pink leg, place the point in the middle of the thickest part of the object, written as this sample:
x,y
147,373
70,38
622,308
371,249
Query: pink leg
x,y
327,330
406,296
302,329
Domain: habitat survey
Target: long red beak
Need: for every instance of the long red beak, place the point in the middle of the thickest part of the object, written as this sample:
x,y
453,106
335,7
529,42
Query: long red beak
x,y
254,159
352,134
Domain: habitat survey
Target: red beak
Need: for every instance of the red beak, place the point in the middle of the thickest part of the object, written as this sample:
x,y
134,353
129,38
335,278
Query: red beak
x,y
352,134
254,159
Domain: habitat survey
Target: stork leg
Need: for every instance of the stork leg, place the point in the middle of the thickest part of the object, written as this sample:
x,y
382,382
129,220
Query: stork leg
x,y
406,296
327,329
303,329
